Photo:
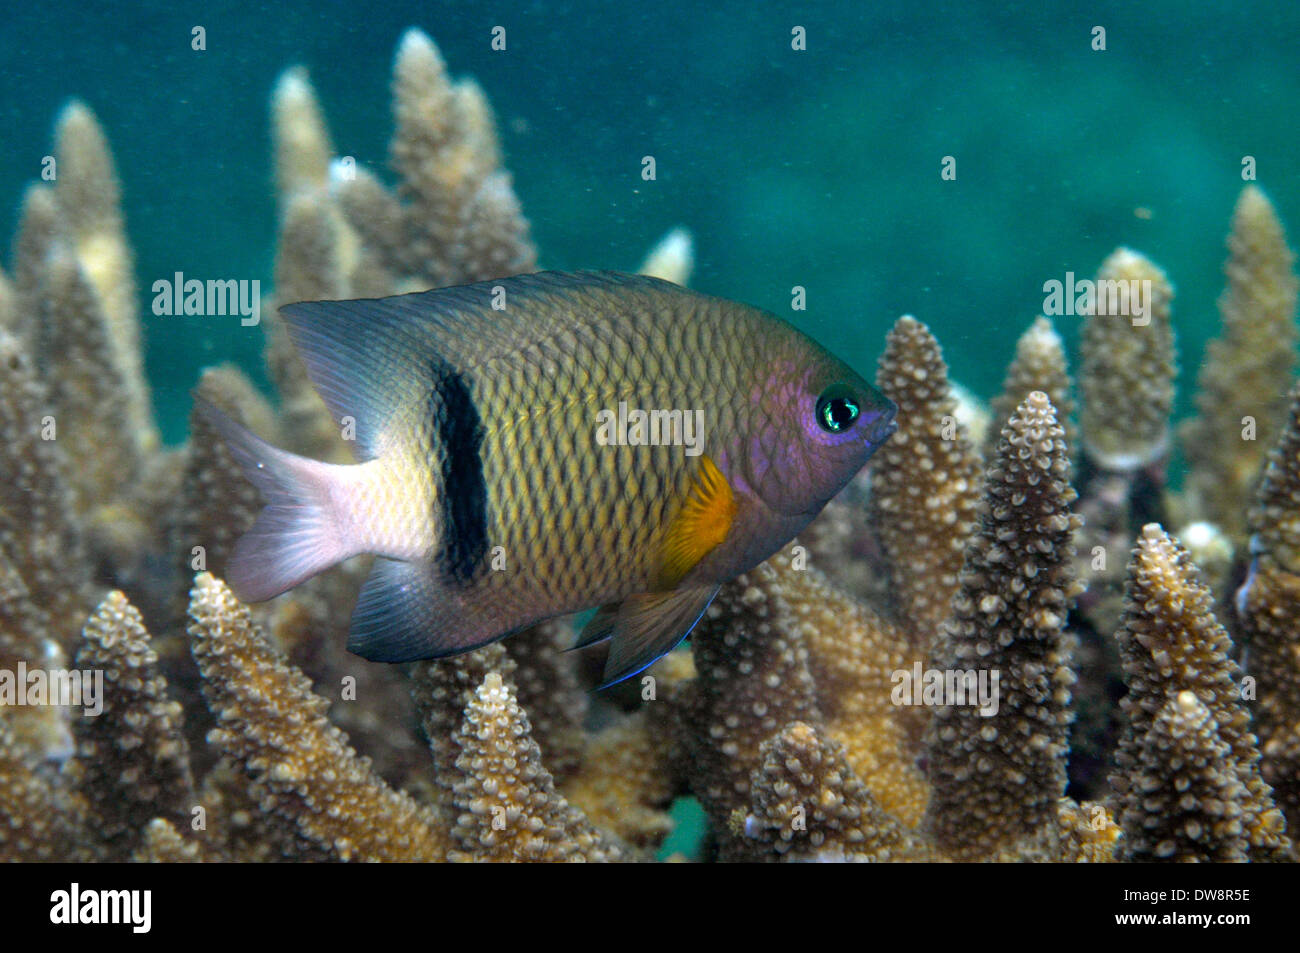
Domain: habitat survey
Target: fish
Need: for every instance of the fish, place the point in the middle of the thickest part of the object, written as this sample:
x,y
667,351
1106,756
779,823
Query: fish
x,y
546,444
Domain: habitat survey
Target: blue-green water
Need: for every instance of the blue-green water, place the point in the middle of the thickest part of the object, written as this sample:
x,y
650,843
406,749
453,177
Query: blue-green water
x,y
818,168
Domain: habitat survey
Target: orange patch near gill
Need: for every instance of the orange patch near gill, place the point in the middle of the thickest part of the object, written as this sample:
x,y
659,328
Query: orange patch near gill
x,y
702,523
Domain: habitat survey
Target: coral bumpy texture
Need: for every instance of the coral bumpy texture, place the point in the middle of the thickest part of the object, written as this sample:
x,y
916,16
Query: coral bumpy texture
x,y
1127,726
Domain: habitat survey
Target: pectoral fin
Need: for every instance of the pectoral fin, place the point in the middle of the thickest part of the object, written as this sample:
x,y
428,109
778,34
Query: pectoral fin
x,y
645,627
701,524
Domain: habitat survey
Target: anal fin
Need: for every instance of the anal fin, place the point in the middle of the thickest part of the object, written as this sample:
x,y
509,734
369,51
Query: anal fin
x,y
646,627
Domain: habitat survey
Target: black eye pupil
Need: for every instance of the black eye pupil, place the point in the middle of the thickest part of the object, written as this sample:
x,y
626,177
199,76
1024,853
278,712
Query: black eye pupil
x,y
836,413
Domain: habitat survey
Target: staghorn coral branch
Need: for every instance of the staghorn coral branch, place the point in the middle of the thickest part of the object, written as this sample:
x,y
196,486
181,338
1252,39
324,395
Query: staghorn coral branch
x,y
133,756
1039,365
271,723
998,776
1171,642
1246,371
509,808
809,805
1127,378
1268,605
925,482
1187,803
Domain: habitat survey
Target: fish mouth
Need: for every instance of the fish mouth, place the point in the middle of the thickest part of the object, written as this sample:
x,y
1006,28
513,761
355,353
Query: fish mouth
x,y
882,430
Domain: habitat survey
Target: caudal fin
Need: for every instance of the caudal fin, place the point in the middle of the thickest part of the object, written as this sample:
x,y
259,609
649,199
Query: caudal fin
x,y
297,535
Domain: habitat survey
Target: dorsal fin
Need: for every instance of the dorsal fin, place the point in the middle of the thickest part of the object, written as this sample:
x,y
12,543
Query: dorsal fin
x,y
368,358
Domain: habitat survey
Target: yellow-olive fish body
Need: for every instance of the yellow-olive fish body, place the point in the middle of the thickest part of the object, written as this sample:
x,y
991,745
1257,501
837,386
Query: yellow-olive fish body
x,y
544,444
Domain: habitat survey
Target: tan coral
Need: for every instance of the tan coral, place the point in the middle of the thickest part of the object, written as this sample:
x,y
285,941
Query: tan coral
x,y
852,655
133,756
509,808
1170,642
38,822
40,542
809,805
625,783
163,844
998,775
752,680
1269,609
1246,371
925,481
302,142
1187,803
1126,381
275,727
218,504
1039,365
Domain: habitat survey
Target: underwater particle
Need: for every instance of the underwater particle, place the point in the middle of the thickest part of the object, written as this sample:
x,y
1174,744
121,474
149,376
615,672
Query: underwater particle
x,y
1186,803
672,258
1126,382
509,808
274,726
1039,365
808,805
133,757
1247,370
1170,641
302,141
926,484
998,775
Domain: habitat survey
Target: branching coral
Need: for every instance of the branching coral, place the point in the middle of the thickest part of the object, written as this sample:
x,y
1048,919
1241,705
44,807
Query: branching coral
x,y
999,774
925,482
133,756
1127,380
251,735
1269,606
1171,642
1039,365
509,808
1246,371
300,766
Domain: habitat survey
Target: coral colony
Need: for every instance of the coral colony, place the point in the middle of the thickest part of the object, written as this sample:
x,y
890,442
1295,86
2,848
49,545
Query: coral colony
x,y
1026,540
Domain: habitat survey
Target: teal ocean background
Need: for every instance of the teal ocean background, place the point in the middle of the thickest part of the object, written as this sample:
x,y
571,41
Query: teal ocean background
x,y
818,168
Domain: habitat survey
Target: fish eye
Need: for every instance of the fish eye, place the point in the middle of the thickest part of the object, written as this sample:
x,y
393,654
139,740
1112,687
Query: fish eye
x,y
837,409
